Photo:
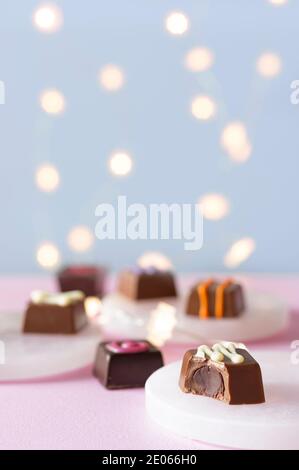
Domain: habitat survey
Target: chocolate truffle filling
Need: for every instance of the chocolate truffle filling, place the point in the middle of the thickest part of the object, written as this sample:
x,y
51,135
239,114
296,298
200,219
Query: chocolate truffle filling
x,y
208,381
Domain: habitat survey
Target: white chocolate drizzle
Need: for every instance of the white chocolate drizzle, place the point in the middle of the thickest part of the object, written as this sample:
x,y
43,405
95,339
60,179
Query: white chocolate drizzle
x,y
62,299
204,351
221,350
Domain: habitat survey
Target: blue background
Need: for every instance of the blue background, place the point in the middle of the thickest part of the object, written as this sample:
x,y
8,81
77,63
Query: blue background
x,y
176,157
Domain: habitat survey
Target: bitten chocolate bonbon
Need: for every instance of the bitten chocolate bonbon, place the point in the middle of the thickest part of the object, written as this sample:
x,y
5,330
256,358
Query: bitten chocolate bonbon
x,y
87,278
226,372
149,283
61,313
211,299
126,364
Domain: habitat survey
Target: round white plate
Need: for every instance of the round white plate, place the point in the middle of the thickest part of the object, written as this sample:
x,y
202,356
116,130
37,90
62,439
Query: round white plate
x,y
271,425
30,356
265,316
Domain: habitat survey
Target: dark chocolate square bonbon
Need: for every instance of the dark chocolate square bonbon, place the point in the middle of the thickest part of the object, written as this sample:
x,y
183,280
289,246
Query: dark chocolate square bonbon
x,y
90,279
126,364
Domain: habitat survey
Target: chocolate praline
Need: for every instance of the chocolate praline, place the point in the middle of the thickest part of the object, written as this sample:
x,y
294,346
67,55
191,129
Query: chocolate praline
x,y
90,279
50,317
227,373
145,284
126,363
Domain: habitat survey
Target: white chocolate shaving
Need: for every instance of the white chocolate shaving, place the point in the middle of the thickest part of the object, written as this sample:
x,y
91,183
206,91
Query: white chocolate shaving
x,y
62,299
38,296
221,350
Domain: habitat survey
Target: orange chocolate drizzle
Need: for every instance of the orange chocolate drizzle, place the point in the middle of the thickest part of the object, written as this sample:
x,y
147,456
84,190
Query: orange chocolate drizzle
x,y
219,298
203,298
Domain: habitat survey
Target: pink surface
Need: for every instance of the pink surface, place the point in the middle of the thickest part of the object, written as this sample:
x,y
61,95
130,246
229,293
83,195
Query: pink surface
x,y
74,411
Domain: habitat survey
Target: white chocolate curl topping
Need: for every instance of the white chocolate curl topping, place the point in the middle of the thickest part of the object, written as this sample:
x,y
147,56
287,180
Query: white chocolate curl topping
x,y
62,299
221,350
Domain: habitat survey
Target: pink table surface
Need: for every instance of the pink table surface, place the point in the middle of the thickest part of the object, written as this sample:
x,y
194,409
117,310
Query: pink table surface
x,y
74,411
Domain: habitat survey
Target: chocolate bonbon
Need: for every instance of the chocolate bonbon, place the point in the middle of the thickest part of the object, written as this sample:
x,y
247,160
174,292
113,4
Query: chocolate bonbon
x,y
90,279
226,372
126,363
212,299
61,313
150,283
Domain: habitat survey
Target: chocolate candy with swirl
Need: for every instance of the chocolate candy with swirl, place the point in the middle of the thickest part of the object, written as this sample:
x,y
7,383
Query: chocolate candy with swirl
x,y
226,372
126,363
212,299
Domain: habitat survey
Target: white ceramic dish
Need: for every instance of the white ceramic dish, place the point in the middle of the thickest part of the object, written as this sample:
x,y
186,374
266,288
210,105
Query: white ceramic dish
x,y
271,425
265,316
30,356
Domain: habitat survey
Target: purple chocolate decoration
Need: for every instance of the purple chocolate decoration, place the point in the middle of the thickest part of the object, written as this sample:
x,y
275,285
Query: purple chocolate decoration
x,y
148,270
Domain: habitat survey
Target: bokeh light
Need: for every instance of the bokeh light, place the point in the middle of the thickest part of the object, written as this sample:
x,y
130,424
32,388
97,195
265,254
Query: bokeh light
x,y
120,164
239,252
92,306
234,140
47,178
233,135
177,23
111,77
240,154
278,3
48,255
52,101
154,259
80,238
214,206
203,107
269,65
48,18
199,59
161,324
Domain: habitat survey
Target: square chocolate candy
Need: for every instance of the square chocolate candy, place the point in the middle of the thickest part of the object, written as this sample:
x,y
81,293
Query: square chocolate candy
x,y
212,299
55,313
126,364
89,279
226,372
145,284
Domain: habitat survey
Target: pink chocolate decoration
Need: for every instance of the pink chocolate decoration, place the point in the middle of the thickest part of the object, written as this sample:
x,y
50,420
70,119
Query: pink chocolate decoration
x,y
81,270
128,346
